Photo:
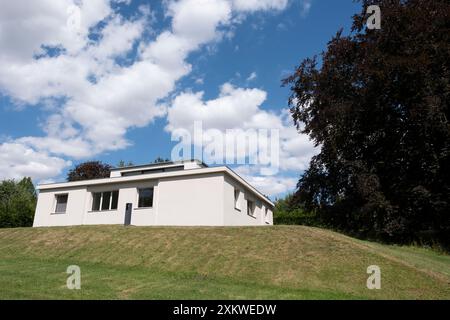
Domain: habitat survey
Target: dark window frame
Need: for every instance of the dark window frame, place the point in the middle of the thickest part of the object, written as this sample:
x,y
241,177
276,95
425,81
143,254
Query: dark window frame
x,y
251,208
237,200
96,201
58,204
266,215
113,201
142,203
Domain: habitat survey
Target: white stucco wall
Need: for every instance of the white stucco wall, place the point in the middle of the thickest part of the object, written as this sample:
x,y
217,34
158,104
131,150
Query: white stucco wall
x,y
192,201
235,217
45,208
128,193
79,206
189,200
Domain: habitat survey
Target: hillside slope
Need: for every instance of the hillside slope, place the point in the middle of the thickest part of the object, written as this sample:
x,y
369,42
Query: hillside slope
x,y
282,262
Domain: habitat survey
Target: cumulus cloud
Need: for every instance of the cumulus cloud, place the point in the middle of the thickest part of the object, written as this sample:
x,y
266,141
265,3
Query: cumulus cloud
x,y
85,72
232,109
27,25
254,5
104,74
241,108
17,161
268,185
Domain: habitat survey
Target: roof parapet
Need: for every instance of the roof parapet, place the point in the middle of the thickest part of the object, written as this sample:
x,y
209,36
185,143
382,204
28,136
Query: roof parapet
x,y
157,167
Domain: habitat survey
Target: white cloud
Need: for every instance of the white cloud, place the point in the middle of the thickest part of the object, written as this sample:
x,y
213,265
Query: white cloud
x,y
252,76
232,109
255,5
282,26
72,147
104,98
269,185
199,80
26,25
97,89
196,21
305,7
117,38
17,161
96,98
239,108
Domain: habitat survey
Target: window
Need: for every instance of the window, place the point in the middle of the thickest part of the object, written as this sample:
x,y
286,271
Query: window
x,y
105,201
147,171
114,200
266,215
61,203
237,203
250,208
145,198
96,201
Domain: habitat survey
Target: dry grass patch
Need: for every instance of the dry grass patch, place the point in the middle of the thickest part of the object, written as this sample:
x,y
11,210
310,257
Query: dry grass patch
x,y
277,262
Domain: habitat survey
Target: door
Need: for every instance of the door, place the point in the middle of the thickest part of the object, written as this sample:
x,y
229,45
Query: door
x,y
128,210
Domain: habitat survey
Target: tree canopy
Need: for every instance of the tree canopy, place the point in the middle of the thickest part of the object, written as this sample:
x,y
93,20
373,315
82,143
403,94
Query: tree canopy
x,y
161,160
377,102
89,170
123,164
17,203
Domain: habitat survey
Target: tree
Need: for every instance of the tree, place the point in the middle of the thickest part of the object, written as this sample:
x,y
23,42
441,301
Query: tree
x,y
286,212
89,170
378,105
122,164
17,203
161,160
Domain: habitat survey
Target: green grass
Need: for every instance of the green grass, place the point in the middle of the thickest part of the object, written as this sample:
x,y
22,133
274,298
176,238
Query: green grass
x,y
281,262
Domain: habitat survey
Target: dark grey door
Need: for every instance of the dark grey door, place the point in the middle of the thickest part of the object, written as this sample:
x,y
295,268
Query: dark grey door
x,y
128,210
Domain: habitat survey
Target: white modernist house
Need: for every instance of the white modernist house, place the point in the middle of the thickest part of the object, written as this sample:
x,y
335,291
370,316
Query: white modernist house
x,y
185,193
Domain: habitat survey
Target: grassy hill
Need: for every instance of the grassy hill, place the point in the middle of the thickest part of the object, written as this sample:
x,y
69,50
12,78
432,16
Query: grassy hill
x,y
282,262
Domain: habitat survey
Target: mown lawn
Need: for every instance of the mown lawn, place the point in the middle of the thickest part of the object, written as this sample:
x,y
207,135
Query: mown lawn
x,y
281,262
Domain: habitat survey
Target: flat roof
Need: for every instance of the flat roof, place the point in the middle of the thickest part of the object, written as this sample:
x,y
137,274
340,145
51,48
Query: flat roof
x,y
158,164
148,176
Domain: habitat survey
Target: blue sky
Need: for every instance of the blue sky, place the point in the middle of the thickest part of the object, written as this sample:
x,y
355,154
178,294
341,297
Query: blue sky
x,y
83,102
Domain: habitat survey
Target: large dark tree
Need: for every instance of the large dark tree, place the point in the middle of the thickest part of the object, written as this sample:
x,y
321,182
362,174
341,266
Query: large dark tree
x,y
377,102
89,170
